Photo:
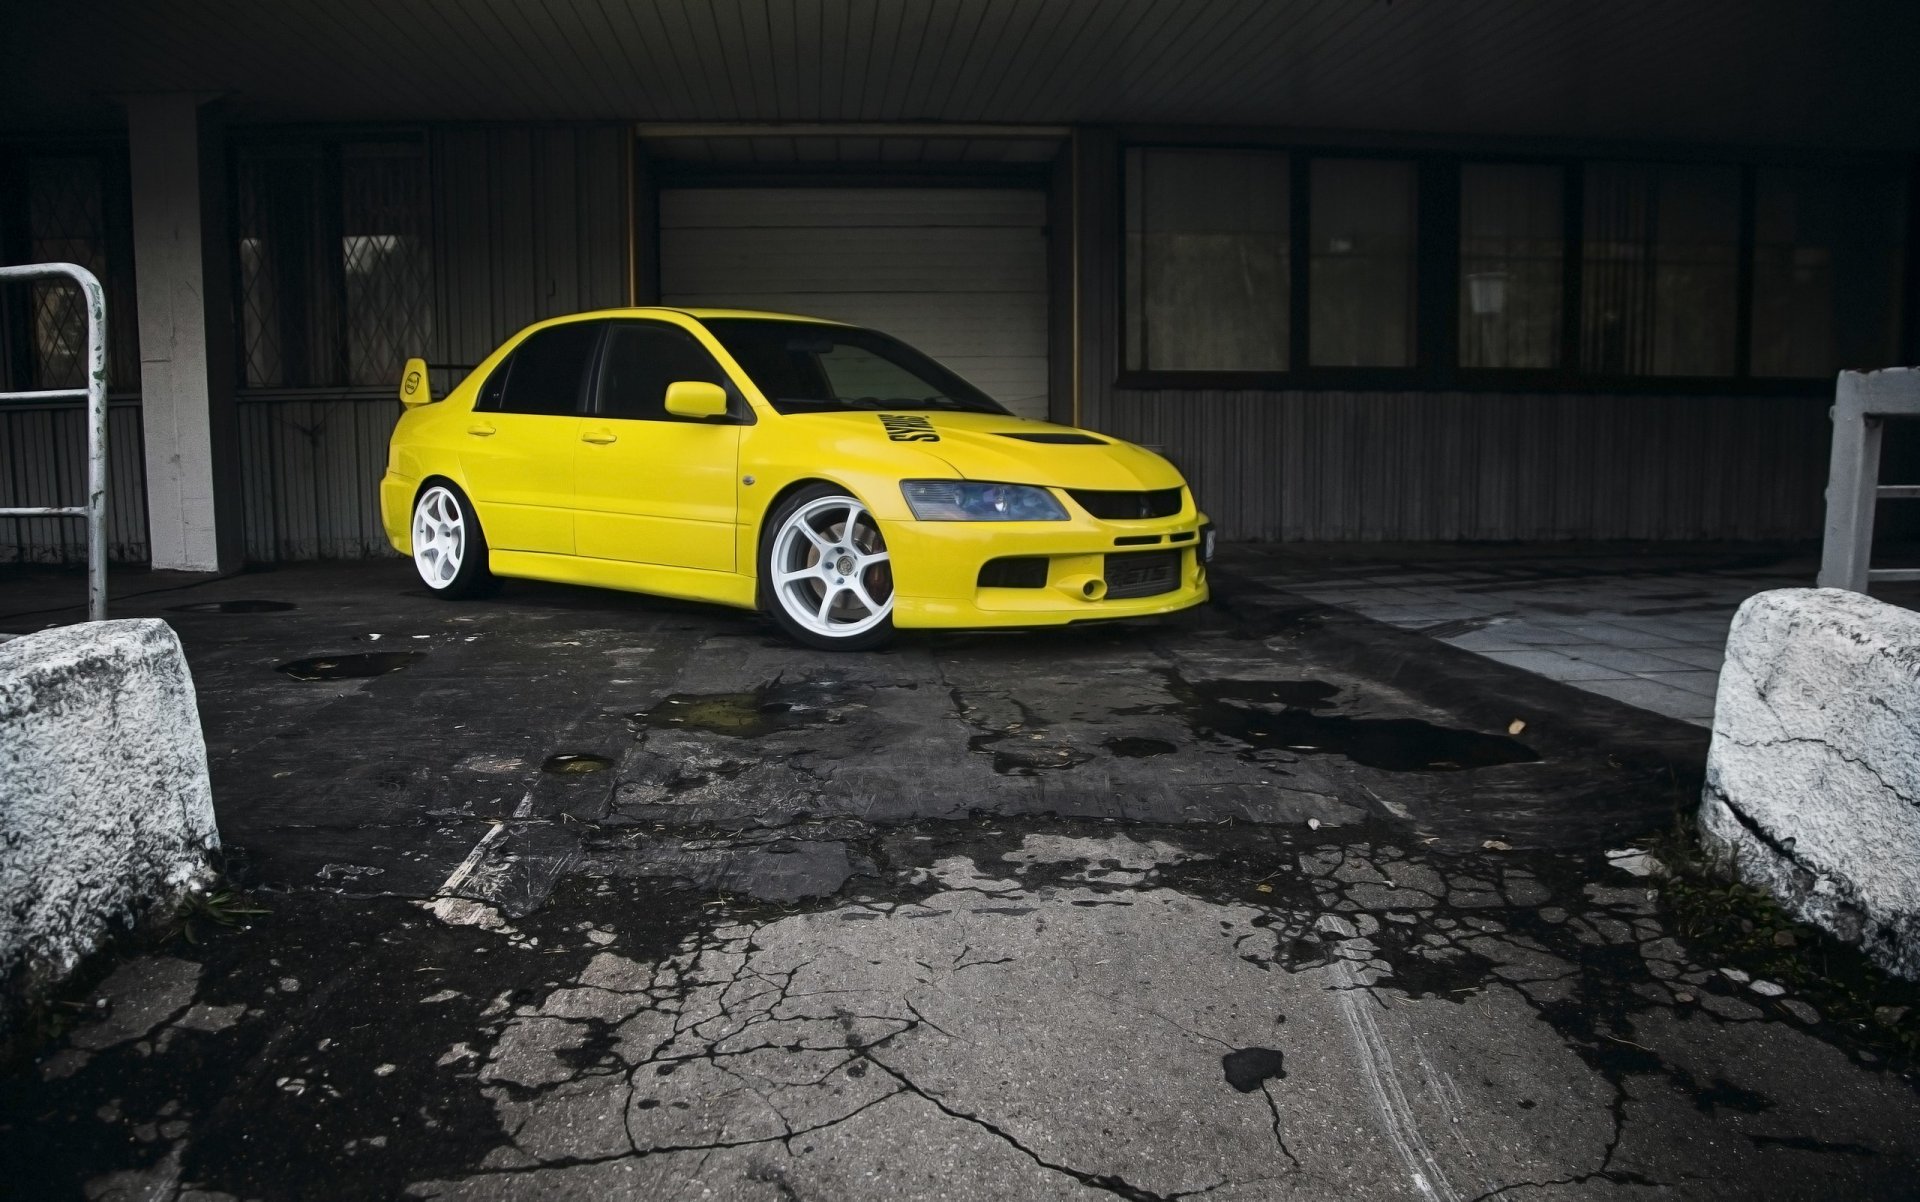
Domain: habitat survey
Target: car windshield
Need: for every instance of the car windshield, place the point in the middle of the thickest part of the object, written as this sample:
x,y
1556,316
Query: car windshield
x,y
809,367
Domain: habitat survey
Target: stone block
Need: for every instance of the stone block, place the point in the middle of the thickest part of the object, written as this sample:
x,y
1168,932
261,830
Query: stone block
x,y
1813,776
105,805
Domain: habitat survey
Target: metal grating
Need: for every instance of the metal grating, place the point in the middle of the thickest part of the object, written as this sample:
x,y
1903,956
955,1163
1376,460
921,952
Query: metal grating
x,y
335,274
66,224
389,315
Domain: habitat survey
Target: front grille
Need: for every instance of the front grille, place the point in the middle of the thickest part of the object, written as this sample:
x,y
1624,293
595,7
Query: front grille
x,y
1142,574
1127,506
1014,571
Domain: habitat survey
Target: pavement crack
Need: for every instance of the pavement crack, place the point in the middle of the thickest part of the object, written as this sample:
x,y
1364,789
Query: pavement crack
x,y
1110,1183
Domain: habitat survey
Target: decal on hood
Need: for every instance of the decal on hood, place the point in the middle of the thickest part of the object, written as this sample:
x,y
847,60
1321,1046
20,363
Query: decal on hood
x,y
908,429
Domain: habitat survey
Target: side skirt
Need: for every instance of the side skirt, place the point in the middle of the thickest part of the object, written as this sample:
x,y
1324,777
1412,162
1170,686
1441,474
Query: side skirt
x,y
687,584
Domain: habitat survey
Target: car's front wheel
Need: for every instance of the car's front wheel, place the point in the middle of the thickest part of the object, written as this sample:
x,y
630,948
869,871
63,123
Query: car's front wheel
x,y
449,548
826,578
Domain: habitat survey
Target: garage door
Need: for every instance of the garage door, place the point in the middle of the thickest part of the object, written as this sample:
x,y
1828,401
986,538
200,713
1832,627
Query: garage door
x,y
960,273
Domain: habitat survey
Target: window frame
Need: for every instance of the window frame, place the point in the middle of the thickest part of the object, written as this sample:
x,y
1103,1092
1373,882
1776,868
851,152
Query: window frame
x,y
327,141
1436,265
19,359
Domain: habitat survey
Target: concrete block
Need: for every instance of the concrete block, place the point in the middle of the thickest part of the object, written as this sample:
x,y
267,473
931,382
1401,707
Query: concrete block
x,y
1813,776
105,805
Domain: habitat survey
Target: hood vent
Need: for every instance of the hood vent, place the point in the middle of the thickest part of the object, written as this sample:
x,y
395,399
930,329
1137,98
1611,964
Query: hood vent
x,y
1063,438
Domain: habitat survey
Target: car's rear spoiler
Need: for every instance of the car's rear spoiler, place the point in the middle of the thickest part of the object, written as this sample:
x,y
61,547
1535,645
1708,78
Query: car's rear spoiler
x,y
416,388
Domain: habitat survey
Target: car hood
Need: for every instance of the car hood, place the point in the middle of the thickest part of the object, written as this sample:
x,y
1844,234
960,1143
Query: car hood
x,y
1011,450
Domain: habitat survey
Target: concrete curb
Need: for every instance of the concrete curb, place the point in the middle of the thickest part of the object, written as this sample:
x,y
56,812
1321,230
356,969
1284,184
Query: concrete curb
x,y
105,804
1813,777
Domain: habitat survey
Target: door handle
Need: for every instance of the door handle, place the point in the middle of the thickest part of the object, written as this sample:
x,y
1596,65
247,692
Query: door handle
x,y
599,437
480,430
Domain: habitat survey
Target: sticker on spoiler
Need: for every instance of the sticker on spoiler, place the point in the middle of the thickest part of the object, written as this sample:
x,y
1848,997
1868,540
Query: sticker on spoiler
x,y
908,429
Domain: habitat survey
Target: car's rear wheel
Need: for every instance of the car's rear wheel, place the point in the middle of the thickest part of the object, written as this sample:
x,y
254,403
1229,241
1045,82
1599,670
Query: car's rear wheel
x,y
826,578
449,548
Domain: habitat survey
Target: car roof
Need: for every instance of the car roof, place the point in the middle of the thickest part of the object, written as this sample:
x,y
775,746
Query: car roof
x,y
704,314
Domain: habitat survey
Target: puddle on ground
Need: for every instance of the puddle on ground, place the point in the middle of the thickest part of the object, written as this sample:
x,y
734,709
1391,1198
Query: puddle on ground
x,y
1247,1069
349,667
1136,747
775,706
575,763
1225,709
250,605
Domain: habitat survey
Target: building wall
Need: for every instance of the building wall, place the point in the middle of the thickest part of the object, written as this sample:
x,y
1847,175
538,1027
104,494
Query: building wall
x,y
1447,465
532,221
528,221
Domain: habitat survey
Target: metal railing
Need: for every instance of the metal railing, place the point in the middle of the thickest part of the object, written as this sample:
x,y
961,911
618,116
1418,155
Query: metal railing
x,y
95,508
1861,404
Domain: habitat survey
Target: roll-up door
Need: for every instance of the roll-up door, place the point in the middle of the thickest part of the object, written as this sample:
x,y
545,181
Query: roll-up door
x,y
960,273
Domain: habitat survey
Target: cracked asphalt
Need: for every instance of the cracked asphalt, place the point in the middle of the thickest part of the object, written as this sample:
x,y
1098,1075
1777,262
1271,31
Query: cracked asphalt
x,y
588,895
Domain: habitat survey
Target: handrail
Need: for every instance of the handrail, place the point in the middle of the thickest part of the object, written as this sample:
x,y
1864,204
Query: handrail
x,y
1862,401
95,508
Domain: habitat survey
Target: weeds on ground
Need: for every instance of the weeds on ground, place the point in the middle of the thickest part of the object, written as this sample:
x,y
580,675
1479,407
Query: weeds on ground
x,y
1729,923
27,1028
199,913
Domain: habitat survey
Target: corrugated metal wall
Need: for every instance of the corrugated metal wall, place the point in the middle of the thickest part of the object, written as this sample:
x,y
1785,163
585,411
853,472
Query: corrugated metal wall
x,y
310,475
529,223
43,461
1353,466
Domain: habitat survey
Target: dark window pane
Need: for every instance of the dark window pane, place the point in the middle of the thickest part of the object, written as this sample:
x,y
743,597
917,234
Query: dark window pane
x,y
1360,274
641,360
65,224
1827,255
547,371
1511,240
387,273
289,301
1207,260
1659,266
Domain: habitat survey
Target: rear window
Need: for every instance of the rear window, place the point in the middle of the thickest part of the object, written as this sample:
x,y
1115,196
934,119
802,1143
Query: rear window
x,y
546,373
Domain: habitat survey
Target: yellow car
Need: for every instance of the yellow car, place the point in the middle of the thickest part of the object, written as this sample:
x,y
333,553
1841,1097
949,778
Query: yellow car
x,y
831,476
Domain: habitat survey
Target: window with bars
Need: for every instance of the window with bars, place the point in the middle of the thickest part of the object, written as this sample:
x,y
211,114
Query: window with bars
x,y
71,208
333,263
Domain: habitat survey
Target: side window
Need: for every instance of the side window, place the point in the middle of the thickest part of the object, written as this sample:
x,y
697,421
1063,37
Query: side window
x,y
640,360
545,373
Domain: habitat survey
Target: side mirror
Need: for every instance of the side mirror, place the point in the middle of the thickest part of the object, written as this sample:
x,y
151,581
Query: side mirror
x,y
696,399
414,387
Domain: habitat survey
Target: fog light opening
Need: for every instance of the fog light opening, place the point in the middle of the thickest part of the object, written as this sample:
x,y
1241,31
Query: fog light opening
x,y
1093,590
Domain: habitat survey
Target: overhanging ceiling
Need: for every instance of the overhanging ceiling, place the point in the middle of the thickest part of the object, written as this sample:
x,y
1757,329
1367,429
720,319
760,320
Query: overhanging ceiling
x,y
1760,72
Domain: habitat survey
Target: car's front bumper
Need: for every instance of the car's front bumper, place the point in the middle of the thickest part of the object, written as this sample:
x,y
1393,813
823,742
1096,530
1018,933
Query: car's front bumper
x,y
937,570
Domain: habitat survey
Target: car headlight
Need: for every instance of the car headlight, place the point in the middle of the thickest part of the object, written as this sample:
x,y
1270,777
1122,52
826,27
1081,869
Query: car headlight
x,y
976,501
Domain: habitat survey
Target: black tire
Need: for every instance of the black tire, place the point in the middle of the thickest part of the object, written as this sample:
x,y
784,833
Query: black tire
x,y
470,576
878,634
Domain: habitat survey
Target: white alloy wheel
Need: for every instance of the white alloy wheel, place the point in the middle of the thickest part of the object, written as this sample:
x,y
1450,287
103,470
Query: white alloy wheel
x,y
831,572
439,537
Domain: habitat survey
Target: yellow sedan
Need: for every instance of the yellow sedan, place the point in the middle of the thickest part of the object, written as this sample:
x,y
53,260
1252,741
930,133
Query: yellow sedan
x,y
830,476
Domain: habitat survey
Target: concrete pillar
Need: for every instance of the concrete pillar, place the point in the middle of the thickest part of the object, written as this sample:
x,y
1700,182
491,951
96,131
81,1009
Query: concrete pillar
x,y
181,262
